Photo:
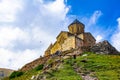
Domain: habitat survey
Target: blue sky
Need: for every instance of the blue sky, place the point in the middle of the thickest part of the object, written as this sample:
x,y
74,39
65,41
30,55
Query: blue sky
x,y
109,9
27,27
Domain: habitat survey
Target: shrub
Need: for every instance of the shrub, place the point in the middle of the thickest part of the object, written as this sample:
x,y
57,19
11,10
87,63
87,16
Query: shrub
x,y
39,67
70,61
16,74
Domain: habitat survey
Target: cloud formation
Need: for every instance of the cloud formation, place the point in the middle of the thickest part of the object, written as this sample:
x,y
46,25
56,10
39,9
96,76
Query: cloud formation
x,y
98,38
14,60
116,36
9,35
94,18
8,10
92,25
27,28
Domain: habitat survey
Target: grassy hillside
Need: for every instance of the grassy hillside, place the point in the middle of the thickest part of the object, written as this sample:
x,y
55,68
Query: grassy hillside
x,y
26,75
104,67
65,72
88,65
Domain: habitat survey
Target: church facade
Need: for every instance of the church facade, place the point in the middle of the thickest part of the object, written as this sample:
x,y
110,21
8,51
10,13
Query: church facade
x,y
76,37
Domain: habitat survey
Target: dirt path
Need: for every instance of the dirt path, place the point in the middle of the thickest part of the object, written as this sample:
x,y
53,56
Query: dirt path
x,y
88,77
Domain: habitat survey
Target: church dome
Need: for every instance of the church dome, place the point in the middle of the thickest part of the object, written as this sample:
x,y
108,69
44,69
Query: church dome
x,y
76,27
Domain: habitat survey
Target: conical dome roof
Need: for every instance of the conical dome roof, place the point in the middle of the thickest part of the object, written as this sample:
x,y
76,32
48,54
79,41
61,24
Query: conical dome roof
x,y
76,22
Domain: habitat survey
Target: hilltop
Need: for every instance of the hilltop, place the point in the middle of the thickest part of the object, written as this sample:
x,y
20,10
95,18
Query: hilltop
x,y
75,55
86,66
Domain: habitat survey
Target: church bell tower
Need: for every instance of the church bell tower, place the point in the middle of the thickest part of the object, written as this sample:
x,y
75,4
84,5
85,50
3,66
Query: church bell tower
x,y
76,27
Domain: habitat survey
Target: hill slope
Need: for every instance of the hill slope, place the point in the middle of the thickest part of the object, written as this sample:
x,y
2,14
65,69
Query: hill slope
x,y
5,72
88,66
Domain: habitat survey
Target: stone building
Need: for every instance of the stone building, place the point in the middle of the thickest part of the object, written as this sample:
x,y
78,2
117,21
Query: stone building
x,y
76,37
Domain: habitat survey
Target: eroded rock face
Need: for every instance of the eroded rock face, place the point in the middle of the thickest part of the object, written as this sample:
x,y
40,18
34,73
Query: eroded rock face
x,y
103,48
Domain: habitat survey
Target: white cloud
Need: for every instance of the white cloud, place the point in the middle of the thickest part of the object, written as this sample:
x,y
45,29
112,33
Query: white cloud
x,y
52,13
58,8
8,35
118,20
34,37
92,26
91,22
94,18
99,38
10,58
116,37
39,35
15,60
8,9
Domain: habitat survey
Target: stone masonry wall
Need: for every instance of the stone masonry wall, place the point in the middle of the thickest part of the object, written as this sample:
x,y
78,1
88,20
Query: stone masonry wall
x,y
78,43
34,63
88,39
55,48
68,43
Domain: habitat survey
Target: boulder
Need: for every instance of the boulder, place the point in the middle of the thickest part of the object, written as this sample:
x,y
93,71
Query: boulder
x,y
103,48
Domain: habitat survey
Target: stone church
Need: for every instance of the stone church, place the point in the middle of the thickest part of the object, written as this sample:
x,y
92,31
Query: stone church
x,y
76,37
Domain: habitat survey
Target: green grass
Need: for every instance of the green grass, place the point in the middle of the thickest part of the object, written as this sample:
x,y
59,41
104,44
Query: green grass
x,y
16,74
39,67
27,75
105,67
66,72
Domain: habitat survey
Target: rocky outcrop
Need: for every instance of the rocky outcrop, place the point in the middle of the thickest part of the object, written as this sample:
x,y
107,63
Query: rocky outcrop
x,y
103,48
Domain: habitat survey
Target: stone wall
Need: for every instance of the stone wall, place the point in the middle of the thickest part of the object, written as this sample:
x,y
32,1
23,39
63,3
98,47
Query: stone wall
x,y
76,28
81,36
60,40
89,40
78,43
62,36
34,63
48,51
68,43
65,41
55,47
